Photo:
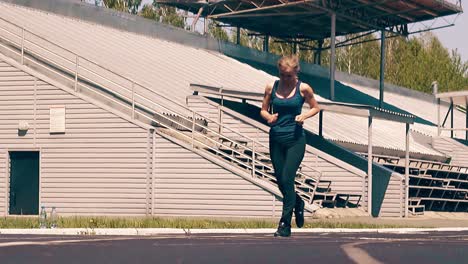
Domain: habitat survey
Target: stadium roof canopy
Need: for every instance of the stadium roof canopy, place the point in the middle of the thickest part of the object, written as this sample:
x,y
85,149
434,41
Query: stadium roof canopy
x,y
302,20
310,19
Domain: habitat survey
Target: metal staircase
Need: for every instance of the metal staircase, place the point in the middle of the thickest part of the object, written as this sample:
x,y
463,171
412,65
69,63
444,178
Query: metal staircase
x,y
324,194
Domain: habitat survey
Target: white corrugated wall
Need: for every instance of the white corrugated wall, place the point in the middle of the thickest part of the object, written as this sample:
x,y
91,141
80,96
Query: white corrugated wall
x,y
97,167
187,184
393,204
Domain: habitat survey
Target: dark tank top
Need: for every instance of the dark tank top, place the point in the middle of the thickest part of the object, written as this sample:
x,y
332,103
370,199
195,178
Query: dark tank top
x,y
286,129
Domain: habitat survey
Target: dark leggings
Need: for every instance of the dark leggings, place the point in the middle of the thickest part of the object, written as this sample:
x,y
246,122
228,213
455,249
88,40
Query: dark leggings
x,y
286,158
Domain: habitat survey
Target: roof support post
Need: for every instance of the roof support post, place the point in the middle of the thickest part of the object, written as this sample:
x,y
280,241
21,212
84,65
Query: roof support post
x,y
153,172
382,67
318,52
220,113
238,38
265,43
438,117
369,167
321,123
407,170
205,26
332,56
435,90
451,117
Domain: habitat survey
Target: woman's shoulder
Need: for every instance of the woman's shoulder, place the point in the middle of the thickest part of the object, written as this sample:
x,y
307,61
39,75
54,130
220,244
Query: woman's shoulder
x,y
269,86
305,88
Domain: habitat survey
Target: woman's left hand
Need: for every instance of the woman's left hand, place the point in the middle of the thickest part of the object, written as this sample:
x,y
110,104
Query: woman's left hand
x,y
300,119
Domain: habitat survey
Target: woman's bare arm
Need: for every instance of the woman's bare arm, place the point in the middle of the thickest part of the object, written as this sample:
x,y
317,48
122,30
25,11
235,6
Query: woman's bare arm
x,y
309,98
266,104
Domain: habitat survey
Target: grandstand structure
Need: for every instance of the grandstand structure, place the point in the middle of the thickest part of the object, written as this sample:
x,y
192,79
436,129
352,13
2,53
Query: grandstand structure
x,y
117,115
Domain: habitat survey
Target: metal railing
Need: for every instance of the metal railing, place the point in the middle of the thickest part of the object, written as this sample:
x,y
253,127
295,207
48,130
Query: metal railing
x,y
88,75
224,110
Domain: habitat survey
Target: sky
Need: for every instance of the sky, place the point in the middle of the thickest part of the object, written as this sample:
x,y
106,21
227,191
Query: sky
x,y
456,37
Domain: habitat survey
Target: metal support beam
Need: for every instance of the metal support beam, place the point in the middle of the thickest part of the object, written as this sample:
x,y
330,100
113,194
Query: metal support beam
x,y
423,8
343,43
319,59
369,167
438,117
447,114
195,20
332,56
272,14
435,90
266,41
321,123
388,11
350,18
382,68
205,26
318,52
238,38
451,117
407,170
263,8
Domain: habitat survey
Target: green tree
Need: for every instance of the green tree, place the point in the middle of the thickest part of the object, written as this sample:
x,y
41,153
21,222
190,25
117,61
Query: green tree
x,y
130,6
417,62
148,11
168,15
164,14
307,53
280,47
217,31
360,58
414,63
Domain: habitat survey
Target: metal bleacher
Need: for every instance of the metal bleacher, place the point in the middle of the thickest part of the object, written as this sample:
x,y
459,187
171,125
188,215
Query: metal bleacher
x,y
433,186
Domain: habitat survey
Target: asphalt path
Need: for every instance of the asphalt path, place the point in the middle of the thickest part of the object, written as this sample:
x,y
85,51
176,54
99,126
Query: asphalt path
x,y
423,247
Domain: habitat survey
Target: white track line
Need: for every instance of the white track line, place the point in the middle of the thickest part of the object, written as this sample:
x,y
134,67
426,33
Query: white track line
x,y
358,255
57,242
175,231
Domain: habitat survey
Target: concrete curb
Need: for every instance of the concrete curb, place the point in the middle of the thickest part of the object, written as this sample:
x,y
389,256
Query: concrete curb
x,y
176,231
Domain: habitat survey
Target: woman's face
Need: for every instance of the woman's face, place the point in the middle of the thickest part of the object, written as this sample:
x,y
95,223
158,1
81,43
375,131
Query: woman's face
x,y
288,75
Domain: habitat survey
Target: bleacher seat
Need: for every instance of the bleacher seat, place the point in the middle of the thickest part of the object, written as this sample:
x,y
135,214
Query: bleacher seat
x,y
433,185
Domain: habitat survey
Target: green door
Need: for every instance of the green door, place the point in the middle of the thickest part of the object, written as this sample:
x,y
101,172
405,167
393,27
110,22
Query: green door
x,y
24,183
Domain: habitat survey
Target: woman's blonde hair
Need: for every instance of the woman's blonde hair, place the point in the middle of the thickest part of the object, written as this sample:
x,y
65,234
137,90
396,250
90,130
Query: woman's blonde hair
x,y
289,61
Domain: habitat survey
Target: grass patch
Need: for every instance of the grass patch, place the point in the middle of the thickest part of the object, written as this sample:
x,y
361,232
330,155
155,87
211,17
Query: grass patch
x,y
187,223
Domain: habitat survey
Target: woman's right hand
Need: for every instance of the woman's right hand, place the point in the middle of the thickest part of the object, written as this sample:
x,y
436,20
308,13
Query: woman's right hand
x,y
272,118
